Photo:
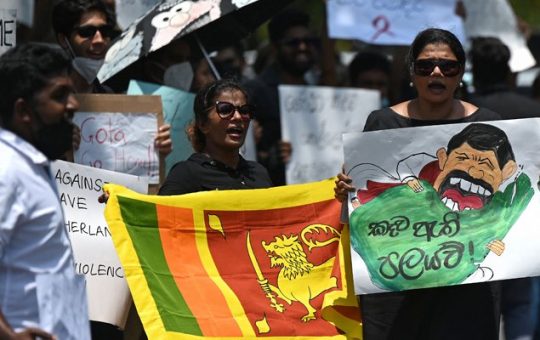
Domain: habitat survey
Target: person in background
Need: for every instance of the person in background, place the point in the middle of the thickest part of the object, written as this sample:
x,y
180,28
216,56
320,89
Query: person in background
x,y
371,70
295,49
494,88
36,108
222,116
231,63
85,29
494,82
436,63
202,74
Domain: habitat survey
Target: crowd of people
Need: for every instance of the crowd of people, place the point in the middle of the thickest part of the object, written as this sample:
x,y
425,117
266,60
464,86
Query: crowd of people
x,y
37,103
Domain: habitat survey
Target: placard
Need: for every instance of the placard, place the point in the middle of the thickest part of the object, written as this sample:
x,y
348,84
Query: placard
x,y
8,29
117,133
444,205
313,118
79,187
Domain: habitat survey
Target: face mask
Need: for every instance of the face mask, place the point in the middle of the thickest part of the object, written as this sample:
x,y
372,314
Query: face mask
x,y
53,140
179,76
88,68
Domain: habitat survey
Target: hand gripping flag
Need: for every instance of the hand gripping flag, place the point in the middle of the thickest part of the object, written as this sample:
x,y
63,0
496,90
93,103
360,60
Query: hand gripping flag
x,y
237,264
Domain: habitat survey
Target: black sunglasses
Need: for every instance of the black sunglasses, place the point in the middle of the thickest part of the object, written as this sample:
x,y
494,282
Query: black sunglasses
x,y
225,110
295,42
424,67
88,31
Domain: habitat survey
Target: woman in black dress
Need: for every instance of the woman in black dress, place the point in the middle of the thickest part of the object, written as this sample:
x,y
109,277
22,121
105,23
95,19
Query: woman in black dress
x,y
222,117
436,62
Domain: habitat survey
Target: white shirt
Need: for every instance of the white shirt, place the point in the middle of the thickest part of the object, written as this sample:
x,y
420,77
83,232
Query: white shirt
x,y
36,260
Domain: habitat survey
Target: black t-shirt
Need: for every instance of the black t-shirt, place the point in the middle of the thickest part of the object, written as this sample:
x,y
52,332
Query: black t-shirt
x,y
202,173
463,312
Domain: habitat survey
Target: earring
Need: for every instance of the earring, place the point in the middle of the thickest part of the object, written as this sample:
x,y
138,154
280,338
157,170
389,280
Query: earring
x,y
460,84
411,84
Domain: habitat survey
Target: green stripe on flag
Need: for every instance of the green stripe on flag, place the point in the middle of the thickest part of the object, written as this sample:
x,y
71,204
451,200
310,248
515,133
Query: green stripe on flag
x,y
141,222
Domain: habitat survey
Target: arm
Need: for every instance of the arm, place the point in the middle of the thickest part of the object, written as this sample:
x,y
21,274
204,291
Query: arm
x,y
6,332
409,168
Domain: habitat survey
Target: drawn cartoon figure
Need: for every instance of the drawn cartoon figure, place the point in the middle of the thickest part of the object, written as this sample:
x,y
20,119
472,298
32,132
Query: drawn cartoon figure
x,y
184,16
123,53
439,242
298,280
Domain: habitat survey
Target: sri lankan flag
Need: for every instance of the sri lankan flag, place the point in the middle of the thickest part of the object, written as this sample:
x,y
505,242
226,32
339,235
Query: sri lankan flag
x,y
243,263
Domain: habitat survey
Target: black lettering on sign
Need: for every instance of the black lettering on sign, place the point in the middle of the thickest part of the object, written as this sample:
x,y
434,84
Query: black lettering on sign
x,y
75,227
6,32
95,269
73,201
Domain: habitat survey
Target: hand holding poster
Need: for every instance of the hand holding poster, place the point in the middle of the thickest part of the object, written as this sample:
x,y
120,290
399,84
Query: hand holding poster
x,y
390,22
79,188
313,120
117,134
453,204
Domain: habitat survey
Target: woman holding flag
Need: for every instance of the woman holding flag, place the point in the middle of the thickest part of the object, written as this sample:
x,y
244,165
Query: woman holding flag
x,y
222,117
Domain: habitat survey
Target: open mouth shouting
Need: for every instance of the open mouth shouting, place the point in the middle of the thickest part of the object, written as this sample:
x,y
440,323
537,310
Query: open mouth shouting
x,y
461,192
236,132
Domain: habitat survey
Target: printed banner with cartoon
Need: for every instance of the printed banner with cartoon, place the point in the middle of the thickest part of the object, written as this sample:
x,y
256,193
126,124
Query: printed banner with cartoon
x,y
243,263
444,205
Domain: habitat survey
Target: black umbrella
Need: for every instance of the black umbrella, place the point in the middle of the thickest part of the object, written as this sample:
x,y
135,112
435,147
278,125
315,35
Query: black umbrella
x,y
215,24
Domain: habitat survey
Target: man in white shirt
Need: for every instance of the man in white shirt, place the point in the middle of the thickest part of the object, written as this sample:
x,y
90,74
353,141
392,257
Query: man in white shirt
x,y
40,293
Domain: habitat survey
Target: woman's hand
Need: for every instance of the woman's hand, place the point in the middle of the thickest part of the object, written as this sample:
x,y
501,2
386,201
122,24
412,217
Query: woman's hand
x,y
343,187
163,141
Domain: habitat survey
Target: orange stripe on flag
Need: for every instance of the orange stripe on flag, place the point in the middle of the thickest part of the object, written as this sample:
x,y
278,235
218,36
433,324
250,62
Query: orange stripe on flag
x,y
203,297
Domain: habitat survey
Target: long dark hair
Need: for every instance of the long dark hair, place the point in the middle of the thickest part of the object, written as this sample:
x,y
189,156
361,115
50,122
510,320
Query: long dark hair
x,y
204,100
435,36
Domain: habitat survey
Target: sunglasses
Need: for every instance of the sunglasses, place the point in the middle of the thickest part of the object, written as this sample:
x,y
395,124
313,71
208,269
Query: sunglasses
x,y
225,110
424,67
89,31
295,42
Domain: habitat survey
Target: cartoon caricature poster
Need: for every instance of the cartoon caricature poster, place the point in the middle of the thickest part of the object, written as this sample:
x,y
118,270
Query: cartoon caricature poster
x,y
444,205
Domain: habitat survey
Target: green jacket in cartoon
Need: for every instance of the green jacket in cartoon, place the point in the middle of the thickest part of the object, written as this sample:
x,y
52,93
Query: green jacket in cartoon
x,y
437,218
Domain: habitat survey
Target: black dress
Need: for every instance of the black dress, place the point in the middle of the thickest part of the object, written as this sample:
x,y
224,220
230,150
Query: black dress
x,y
202,173
463,312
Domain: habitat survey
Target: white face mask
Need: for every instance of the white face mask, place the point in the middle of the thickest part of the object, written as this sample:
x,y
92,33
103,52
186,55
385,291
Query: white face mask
x,y
179,76
88,68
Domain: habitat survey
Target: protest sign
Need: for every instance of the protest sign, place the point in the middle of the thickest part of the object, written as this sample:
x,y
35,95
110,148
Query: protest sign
x,y
313,120
117,133
480,22
389,22
443,205
79,187
23,8
8,29
177,111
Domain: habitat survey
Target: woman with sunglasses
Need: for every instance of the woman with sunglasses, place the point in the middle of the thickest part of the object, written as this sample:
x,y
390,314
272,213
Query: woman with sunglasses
x,y
436,63
222,117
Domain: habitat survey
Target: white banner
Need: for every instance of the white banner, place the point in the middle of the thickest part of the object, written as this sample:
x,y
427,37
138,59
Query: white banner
x,y
444,205
390,22
121,142
8,29
313,118
79,187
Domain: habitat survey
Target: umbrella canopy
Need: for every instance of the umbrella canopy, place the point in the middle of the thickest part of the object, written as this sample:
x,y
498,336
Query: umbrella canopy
x,y
217,23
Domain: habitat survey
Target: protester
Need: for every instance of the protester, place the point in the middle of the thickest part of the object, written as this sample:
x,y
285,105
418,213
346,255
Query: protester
x,y
222,117
371,70
36,258
231,63
295,48
202,74
84,29
492,81
436,62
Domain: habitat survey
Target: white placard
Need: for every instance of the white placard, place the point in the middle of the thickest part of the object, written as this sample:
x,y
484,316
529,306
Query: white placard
x,y
313,118
390,22
24,9
495,18
122,142
79,187
474,217
8,29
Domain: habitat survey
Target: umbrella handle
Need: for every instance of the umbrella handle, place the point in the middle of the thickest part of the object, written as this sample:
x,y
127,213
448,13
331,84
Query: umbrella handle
x,y
207,57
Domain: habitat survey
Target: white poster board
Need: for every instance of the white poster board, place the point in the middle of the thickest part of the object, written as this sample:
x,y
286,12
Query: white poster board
x,y
8,29
24,9
79,187
474,217
495,18
119,141
390,22
313,118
